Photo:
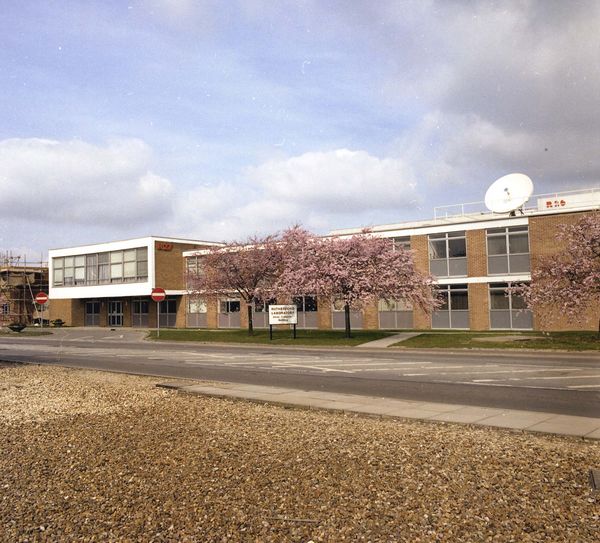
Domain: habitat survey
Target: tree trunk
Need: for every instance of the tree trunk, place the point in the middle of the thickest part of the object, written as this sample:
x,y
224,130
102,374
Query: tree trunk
x,y
599,328
250,323
348,334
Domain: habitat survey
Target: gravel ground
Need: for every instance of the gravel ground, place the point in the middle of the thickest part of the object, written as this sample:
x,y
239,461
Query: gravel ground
x,y
90,456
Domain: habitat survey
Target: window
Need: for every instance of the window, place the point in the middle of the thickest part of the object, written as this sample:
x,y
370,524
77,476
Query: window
x,y
305,304
168,313
395,314
229,306
454,312
101,268
5,309
197,306
508,309
448,254
508,250
401,242
263,307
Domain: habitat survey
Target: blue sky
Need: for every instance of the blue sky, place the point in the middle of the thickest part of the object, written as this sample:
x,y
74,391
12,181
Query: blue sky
x,y
220,120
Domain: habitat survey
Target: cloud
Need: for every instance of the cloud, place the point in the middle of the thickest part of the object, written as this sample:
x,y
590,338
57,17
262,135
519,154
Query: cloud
x,y
337,181
75,182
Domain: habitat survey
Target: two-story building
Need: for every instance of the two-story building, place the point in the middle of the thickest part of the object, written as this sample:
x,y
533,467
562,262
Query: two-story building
x,y
474,255
109,284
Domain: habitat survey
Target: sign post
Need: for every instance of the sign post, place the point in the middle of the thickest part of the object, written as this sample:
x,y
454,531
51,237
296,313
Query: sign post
x,y
282,314
158,295
41,298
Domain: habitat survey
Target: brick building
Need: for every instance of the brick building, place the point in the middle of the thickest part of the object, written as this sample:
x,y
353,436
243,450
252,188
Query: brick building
x,y
474,255
109,284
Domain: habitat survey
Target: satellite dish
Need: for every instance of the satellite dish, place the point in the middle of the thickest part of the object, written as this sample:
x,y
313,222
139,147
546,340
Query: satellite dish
x,y
508,193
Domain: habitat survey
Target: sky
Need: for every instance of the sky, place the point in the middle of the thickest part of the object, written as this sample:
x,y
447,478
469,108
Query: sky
x,y
222,120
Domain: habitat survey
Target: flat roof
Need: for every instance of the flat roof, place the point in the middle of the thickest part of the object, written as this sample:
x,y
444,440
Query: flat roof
x,y
566,202
142,238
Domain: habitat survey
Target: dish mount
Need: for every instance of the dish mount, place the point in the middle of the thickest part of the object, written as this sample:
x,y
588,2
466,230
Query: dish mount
x,y
509,193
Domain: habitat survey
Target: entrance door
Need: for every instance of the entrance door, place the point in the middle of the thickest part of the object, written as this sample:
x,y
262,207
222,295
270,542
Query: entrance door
x,y
139,315
115,313
92,313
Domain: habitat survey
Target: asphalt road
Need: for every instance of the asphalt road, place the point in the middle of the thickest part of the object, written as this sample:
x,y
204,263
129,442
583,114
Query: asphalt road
x,y
550,382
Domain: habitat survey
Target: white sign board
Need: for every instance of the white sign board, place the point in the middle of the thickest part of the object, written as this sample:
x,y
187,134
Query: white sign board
x,y
283,314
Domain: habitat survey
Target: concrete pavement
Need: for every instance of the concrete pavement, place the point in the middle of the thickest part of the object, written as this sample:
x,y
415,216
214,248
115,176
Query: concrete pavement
x,y
531,421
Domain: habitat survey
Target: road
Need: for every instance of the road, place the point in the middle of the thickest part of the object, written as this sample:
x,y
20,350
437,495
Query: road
x,y
550,382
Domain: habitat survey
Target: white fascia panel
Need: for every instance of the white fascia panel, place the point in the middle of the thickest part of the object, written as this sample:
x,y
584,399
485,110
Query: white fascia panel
x,y
117,290
454,227
102,247
489,279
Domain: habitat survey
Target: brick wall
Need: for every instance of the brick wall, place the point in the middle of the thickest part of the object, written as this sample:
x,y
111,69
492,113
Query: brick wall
x,y
479,306
543,244
61,309
370,316
169,264
476,253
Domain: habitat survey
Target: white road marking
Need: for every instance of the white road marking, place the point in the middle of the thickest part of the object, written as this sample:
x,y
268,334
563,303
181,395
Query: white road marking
x,y
584,386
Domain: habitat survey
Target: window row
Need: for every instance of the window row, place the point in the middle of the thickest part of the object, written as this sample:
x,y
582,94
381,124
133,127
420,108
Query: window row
x,y
507,310
127,266
507,252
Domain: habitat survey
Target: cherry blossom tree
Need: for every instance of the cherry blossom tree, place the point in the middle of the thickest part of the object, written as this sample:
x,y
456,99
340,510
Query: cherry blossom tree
x,y
568,282
249,268
356,270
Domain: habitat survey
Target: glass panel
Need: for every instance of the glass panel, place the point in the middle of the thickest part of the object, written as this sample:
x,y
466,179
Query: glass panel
x,y
80,274
338,305
459,300
387,305
439,267
440,319
519,263
58,262
116,271
197,306
68,262
499,319
68,272
129,269
234,306
517,301
497,245
457,248
403,242
58,276
103,272
142,253
459,234
496,231
522,319
103,258
460,319
497,264
498,299
298,301
129,255
444,299
457,266
310,304
142,269
116,256
518,243
80,260
437,249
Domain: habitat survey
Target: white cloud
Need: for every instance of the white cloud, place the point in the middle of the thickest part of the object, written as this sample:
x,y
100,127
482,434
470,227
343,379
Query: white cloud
x,y
80,183
339,181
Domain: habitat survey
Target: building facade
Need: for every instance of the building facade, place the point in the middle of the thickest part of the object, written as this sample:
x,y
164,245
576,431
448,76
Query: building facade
x,y
475,256
109,284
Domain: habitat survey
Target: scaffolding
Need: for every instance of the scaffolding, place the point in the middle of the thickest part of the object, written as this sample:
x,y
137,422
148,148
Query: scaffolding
x,y
20,281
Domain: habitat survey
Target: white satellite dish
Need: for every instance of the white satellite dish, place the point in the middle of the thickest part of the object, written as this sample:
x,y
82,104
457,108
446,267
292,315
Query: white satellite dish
x,y
508,193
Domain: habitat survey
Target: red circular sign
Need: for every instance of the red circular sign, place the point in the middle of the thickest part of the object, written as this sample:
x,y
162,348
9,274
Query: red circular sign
x,y
41,298
158,294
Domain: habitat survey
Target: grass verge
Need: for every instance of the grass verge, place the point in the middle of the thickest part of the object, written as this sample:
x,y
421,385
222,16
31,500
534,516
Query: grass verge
x,y
570,341
28,333
280,337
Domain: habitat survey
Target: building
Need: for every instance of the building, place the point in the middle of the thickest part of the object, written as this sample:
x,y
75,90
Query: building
x,y
474,255
109,284
20,281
